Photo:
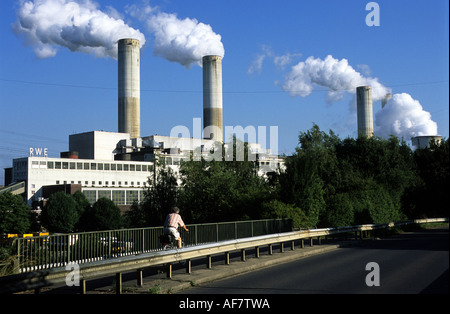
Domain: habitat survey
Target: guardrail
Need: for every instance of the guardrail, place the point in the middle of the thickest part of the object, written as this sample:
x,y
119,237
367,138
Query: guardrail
x,y
51,251
98,269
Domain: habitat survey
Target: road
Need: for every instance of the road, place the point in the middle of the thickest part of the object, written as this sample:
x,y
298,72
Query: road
x,y
409,263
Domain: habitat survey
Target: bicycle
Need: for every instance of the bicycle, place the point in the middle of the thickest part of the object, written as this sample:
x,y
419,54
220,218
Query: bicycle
x,y
168,242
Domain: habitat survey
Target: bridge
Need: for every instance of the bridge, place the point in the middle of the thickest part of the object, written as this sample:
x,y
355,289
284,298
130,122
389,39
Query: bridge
x,y
54,276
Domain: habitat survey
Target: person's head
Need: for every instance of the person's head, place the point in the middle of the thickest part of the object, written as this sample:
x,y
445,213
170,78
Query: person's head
x,y
175,210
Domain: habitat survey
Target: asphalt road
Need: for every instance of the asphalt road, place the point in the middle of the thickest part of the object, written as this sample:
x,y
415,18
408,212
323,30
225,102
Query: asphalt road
x,y
409,263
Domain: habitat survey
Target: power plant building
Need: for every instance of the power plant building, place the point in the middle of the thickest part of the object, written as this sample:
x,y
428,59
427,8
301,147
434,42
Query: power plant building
x,y
118,165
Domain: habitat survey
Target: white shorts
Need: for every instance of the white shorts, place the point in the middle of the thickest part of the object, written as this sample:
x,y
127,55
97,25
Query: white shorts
x,y
173,231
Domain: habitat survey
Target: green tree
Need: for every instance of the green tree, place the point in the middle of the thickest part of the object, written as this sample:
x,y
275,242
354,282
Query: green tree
x,y
159,197
223,190
429,197
83,206
105,215
60,213
14,214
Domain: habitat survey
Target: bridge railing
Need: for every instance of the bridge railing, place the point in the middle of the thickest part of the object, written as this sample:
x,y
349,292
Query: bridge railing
x,y
97,269
46,252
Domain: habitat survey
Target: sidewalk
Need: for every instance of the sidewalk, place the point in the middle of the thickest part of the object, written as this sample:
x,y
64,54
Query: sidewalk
x,y
157,283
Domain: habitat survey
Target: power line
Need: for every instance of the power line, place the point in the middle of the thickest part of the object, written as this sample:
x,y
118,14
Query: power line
x,y
200,91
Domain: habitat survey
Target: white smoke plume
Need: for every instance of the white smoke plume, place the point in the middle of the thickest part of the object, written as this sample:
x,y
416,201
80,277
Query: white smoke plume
x,y
335,75
404,117
184,41
74,24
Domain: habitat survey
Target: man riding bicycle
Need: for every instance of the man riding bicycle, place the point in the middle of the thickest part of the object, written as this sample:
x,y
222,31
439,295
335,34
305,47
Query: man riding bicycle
x,y
173,220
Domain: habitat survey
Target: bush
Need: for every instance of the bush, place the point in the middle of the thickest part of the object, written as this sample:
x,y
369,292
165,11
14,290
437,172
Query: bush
x,y
276,209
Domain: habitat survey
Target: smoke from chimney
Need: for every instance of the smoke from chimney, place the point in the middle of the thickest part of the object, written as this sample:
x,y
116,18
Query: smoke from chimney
x,y
76,25
184,41
401,115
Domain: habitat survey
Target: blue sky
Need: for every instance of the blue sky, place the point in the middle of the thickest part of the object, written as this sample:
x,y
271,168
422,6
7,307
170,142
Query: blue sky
x,y
44,100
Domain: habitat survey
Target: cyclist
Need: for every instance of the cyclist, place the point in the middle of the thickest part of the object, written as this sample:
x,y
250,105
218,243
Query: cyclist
x,y
173,220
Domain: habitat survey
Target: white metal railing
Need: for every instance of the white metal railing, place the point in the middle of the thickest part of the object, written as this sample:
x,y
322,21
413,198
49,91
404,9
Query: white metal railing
x,y
55,276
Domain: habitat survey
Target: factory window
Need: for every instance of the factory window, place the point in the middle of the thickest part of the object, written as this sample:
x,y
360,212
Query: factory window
x,y
99,182
93,166
50,165
86,166
93,183
138,167
113,167
126,182
106,183
144,168
57,181
86,182
104,193
79,165
132,196
79,182
132,168
72,165
106,167
65,165
119,167
113,183
120,183
91,196
125,167
57,165
100,167
118,197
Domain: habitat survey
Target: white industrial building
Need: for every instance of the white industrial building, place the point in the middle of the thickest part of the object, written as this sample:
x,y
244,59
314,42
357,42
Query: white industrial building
x,y
117,165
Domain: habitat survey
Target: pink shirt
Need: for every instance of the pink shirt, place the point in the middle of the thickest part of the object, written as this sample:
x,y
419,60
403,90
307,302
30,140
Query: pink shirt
x,y
173,220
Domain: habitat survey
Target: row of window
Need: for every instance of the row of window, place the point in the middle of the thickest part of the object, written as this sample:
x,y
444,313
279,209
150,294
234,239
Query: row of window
x,y
91,166
119,197
105,183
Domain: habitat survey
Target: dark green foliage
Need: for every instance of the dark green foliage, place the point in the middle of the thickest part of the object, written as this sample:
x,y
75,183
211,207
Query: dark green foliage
x,y
14,214
60,213
105,215
364,180
276,209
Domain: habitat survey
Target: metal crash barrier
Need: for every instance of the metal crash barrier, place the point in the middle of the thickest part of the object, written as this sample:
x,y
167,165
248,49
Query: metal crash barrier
x,y
138,262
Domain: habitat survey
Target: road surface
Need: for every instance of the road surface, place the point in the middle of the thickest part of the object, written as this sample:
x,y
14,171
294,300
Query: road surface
x,y
409,263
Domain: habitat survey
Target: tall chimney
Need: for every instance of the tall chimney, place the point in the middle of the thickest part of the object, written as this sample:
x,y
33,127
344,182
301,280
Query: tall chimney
x,y
129,87
364,111
212,98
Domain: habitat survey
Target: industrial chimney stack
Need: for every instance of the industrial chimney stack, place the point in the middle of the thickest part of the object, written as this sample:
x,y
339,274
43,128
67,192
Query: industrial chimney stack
x,y
364,111
129,87
212,98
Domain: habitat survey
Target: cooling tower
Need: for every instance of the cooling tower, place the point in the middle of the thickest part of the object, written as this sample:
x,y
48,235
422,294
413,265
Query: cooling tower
x,y
364,111
129,87
212,98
